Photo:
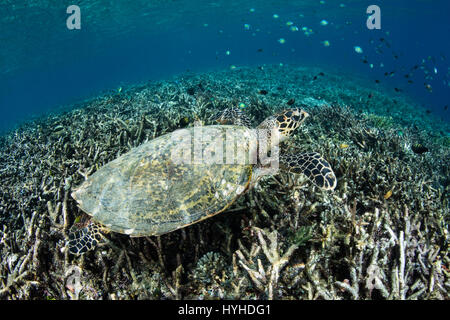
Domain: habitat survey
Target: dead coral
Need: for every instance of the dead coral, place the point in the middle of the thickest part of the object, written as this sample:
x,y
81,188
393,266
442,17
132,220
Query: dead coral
x,y
283,240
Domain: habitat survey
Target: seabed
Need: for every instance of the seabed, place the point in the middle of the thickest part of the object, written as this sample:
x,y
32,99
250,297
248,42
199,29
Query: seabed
x,y
381,234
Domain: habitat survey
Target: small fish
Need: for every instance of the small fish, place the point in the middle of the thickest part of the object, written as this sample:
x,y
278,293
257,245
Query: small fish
x,y
263,92
290,102
428,87
343,146
446,107
323,22
370,95
260,50
321,74
281,40
315,78
377,81
410,81
397,90
419,148
358,49
326,43
388,195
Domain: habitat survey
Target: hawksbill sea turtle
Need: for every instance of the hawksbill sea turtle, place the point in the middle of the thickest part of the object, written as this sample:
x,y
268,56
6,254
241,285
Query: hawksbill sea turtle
x,y
148,191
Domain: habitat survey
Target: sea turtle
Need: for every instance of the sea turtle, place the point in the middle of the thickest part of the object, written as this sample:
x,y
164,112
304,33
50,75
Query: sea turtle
x,y
186,176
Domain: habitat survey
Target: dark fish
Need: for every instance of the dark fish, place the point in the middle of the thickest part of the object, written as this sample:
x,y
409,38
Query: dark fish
x,y
410,81
445,107
395,56
321,74
315,78
364,60
263,92
260,50
428,111
291,102
377,81
190,91
386,74
381,39
419,148
397,90
428,87
406,75
416,67
370,95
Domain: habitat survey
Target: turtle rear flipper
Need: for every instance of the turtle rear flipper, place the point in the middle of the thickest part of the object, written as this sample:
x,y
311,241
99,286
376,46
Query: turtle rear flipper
x,y
311,164
85,239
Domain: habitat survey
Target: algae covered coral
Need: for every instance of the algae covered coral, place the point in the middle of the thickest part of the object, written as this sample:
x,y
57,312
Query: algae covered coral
x,y
381,234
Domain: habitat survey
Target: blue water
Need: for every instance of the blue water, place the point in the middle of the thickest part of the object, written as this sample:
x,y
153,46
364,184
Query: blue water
x,y
44,65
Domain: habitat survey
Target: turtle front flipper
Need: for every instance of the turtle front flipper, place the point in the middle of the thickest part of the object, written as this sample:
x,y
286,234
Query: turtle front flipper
x,y
84,239
311,164
235,116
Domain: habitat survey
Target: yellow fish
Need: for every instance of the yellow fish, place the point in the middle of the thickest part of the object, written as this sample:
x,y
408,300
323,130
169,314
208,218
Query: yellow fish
x,y
388,194
343,146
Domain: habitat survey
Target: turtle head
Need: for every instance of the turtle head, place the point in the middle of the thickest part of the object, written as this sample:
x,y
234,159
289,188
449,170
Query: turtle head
x,y
285,122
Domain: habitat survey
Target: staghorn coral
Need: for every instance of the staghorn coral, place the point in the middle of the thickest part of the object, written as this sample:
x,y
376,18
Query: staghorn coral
x,y
382,234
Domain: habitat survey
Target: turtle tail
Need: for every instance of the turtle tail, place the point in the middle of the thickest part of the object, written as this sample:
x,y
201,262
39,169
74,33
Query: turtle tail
x,y
85,239
311,164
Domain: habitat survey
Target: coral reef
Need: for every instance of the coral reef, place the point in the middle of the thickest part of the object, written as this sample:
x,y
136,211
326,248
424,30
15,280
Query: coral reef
x,y
382,234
